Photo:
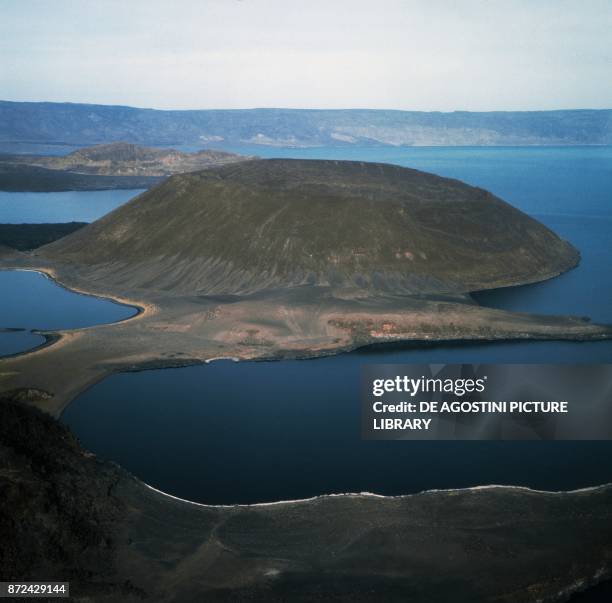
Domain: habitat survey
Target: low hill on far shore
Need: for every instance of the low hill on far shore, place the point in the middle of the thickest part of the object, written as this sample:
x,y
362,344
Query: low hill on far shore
x,y
100,167
124,159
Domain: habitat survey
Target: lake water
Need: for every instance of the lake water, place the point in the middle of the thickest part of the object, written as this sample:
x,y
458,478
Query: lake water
x,y
66,206
584,291
31,301
250,432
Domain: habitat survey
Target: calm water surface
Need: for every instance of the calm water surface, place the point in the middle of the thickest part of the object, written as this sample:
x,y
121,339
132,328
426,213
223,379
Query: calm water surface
x,y
250,432
32,301
246,432
67,206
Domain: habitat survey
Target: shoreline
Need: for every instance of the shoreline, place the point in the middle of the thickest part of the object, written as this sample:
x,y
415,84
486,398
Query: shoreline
x,y
51,274
175,333
55,336
151,528
317,497
160,365
49,338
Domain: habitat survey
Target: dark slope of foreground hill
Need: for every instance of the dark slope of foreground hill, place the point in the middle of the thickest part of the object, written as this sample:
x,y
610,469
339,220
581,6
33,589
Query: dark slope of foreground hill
x,y
65,515
57,515
278,223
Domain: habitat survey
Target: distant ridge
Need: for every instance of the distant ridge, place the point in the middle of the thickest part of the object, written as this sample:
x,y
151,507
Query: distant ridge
x,y
84,124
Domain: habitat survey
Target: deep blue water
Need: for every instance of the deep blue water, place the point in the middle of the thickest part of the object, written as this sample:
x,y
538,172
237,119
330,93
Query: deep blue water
x,y
30,301
67,206
13,342
268,431
246,432
261,431
585,290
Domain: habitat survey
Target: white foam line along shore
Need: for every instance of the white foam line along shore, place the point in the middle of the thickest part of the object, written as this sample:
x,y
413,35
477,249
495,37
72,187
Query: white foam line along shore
x,y
233,358
373,495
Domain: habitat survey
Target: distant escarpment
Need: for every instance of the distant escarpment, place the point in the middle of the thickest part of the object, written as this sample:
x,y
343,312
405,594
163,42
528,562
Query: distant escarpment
x,y
80,124
270,224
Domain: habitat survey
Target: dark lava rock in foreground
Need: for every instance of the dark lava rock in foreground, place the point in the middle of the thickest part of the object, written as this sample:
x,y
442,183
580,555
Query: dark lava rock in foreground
x,y
66,516
268,224
58,516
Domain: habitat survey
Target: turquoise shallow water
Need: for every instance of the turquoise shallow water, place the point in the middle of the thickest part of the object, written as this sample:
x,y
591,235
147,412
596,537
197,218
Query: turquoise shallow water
x,y
246,432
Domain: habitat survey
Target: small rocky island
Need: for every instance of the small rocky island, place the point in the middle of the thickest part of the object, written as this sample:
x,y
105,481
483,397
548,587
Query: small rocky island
x,y
104,166
268,259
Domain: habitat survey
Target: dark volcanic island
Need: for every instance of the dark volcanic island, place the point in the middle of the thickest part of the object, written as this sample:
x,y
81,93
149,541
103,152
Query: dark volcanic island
x,y
268,259
286,258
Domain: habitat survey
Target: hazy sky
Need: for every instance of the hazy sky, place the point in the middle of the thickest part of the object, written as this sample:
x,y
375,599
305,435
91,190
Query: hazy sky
x,y
400,54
